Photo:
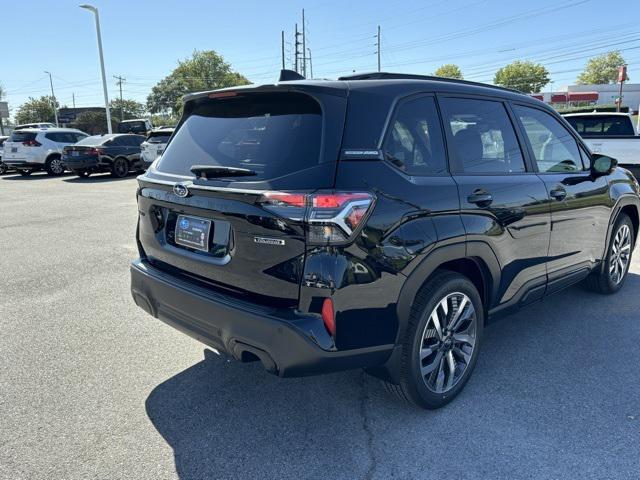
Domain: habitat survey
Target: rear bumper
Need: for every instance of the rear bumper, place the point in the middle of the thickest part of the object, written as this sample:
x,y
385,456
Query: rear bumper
x,y
238,328
22,164
79,163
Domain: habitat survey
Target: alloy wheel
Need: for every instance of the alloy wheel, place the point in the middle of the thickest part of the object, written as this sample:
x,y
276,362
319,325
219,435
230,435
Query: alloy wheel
x,y
448,342
620,254
56,166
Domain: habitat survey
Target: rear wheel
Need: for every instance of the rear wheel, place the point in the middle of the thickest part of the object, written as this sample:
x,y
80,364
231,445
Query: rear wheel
x,y
442,341
3,168
25,173
611,277
54,166
120,168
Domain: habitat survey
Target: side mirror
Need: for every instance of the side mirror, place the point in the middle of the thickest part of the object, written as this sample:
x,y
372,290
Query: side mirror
x,y
602,165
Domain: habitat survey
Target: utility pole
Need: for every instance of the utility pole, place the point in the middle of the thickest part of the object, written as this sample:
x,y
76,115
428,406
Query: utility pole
x,y
378,45
304,47
96,15
282,48
310,63
297,45
73,98
53,99
119,83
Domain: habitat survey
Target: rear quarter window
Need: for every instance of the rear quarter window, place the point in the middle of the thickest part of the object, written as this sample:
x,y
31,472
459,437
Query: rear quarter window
x,y
273,134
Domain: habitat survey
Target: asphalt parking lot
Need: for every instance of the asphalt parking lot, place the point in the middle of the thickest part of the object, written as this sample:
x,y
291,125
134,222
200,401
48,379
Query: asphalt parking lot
x,y
92,387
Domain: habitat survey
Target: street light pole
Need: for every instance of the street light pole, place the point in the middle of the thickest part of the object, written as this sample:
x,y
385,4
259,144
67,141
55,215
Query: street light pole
x,y
104,76
53,99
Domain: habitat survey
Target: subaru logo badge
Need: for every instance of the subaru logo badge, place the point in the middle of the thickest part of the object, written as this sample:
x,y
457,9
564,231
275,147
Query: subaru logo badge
x,y
180,190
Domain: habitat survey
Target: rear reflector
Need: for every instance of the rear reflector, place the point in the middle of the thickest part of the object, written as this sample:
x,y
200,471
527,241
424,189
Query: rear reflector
x,y
328,316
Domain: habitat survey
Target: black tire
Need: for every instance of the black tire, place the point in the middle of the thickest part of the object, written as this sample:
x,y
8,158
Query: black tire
x,y
603,280
82,173
25,173
120,168
3,168
54,166
413,386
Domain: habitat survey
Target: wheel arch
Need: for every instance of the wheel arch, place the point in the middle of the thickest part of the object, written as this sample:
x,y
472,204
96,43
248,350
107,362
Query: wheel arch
x,y
474,260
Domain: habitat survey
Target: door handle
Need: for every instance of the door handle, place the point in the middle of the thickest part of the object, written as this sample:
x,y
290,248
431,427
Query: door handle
x,y
558,194
481,198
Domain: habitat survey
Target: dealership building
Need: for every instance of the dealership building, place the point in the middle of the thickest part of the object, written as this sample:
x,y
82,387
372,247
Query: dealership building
x,y
585,95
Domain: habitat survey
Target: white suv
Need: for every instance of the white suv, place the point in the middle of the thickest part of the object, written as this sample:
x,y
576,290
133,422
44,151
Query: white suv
x,y
34,149
154,145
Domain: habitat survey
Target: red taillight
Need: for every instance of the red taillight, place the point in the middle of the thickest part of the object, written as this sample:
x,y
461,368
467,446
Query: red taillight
x,y
328,316
31,143
95,152
332,217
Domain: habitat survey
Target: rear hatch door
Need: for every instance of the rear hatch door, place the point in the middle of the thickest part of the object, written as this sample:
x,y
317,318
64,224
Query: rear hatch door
x,y
226,230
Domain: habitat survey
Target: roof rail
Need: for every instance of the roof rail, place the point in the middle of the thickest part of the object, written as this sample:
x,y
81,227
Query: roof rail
x,y
411,76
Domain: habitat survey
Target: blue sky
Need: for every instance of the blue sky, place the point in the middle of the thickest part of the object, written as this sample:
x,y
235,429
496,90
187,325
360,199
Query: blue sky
x,y
144,39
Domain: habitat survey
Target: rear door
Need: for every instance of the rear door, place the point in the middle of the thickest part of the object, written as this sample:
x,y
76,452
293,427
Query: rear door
x,y
503,203
247,232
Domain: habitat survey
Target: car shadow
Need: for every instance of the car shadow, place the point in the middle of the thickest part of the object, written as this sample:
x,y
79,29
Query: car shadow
x,y
542,384
99,178
34,176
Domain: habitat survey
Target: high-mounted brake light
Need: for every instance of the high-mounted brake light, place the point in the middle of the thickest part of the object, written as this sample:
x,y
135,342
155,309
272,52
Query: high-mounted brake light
x,y
222,94
331,217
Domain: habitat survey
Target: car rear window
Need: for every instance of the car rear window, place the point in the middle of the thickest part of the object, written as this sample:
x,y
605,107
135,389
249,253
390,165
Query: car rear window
x,y
20,136
158,137
132,127
93,140
601,125
273,134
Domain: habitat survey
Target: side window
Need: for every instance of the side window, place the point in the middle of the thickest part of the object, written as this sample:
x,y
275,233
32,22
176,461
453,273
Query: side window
x,y
483,138
414,142
118,142
554,148
79,136
54,137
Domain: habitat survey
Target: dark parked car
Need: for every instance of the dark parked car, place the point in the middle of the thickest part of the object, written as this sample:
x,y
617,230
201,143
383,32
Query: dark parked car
x,y
114,153
378,221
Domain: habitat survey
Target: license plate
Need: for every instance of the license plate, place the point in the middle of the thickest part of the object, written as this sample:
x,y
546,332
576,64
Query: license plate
x,y
14,149
193,232
75,153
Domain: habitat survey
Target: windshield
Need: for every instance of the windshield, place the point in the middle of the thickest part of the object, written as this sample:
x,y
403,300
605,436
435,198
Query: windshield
x,y
602,125
273,134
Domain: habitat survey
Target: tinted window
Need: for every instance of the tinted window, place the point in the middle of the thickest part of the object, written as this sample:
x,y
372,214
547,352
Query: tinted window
x,y
93,140
484,140
272,134
62,137
554,148
158,137
602,125
414,142
136,140
127,127
20,136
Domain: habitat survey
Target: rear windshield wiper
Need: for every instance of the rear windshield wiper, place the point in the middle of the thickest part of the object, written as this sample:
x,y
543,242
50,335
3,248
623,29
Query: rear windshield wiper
x,y
209,171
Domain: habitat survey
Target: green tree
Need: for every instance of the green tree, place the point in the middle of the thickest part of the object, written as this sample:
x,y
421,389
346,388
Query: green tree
x,y
602,69
36,110
205,70
449,70
93,123
528,77
126,109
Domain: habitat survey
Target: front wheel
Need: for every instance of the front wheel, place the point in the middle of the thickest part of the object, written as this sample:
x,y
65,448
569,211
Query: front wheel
x,y
611,276
442,341
120,168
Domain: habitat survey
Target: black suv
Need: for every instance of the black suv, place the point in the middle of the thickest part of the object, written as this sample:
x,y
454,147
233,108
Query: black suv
x,y
376,221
